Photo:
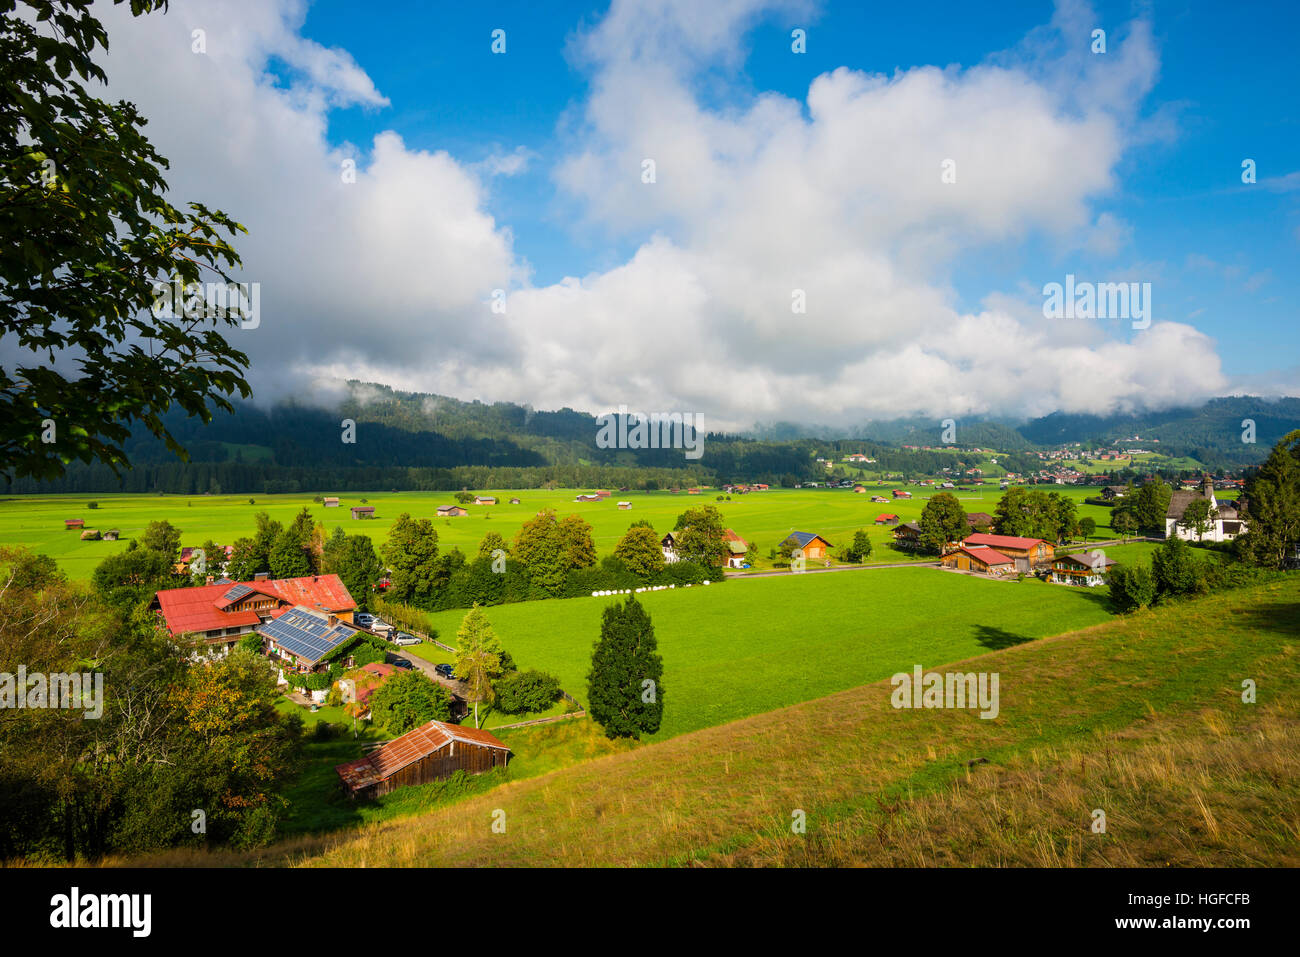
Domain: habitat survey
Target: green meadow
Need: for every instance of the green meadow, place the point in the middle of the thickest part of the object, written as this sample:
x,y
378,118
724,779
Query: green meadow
x,y
761,518
744,647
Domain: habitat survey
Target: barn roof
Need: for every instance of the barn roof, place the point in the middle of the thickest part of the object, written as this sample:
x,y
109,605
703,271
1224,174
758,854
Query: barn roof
x,y
804,538
418,743
736,544
1002,541
979,518
1179,501
989,556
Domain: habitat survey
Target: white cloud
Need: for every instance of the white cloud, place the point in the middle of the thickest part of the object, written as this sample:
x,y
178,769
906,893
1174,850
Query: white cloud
x,y
839,196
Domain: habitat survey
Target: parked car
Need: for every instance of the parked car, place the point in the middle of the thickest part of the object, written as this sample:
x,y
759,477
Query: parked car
x,y
405,638
401,664
364,619
445,670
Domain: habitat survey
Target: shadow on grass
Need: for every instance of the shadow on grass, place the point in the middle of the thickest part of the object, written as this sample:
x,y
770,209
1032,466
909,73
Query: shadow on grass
x,y
995,639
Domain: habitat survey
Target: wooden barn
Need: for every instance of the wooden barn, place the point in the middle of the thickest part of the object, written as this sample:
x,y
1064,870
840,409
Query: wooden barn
x,y
451,511
981,559
73,523
363,511
431,752
812,546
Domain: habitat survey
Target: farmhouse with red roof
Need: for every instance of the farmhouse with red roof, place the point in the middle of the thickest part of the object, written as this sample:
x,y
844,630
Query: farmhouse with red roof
x,y
224,612
1028,553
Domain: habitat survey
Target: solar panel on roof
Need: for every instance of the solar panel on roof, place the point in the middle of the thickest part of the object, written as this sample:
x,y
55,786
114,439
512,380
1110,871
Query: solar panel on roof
x,y
306,635
236,593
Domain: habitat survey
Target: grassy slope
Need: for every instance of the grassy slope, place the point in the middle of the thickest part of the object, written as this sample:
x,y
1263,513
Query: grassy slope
x,y
1141,717
763,518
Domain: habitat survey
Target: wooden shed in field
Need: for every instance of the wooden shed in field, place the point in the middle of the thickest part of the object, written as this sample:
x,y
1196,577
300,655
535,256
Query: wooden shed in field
x,y
431,752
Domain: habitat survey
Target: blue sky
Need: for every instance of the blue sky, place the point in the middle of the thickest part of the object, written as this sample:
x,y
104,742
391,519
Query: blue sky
x,y
777,172
1226,88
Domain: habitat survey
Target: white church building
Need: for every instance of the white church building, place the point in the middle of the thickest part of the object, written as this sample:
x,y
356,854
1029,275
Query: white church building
x,y
1224,522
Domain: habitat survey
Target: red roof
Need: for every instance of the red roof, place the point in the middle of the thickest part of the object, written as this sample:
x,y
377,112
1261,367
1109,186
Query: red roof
x,y
987,555
202,608
379,669
884,517
1002,541
409,748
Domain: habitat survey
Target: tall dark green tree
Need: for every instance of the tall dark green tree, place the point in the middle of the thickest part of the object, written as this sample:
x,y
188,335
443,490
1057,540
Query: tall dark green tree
x,y
1273,507
411,555
1151,504
86,235
353,559
1176,570
625,692
288,557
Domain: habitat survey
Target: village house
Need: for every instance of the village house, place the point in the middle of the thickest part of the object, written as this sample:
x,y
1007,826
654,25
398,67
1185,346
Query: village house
x,y
223,612
669,544
363,511
879,500
808,545
980,559
736,549
859,490
899,494
485,500
625,505
431,752
1083,568
331,502
1028,553
980,521
1112,492
908,536
73,523
514,501
887,518
1224,522
451,511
